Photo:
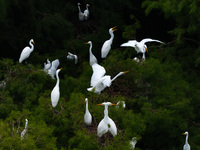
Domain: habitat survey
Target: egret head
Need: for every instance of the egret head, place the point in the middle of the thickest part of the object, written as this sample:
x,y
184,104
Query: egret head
x,y
185,133
89,42
114,28
32,41
107,104
86,99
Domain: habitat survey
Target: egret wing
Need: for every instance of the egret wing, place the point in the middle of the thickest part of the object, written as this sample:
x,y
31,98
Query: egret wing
x,y
130,43
149,40
98,73
24,54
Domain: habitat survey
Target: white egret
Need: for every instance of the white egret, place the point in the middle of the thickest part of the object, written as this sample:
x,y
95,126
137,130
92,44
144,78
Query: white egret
x,y
54,66
47,65
106,124
26,51
140,47
80,14
107,44
133,142
87,116
99,81
86,12
71,56
55,94
93,59
187,145
25,130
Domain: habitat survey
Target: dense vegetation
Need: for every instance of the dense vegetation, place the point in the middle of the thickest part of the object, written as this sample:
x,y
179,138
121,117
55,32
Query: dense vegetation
x,y
162,94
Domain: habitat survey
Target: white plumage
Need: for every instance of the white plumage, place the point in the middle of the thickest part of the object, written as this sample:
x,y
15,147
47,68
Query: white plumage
x,y
86,12
106,124
107,44
71,56
25,130
54,66
133,142
26,51
80,14
47,65
55,94
99,81
140,47
92,58
186,145
87,116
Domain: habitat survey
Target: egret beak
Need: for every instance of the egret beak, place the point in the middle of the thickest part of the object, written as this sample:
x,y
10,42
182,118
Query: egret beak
x,y
87,43
60,68
147,50
33,42
100,104
113,104
114,28
125,71
183,134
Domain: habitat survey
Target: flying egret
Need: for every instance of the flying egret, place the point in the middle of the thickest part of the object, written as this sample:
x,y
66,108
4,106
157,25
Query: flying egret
x,y
26,51
25,130
87,116
80,14
93,59
106,124
71,56
55,94
140,47
133,142
99,81
187,145
107,44
47,65
86,12
54,66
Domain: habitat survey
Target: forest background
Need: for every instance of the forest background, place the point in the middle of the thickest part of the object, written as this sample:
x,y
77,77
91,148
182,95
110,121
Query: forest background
x,y
161,94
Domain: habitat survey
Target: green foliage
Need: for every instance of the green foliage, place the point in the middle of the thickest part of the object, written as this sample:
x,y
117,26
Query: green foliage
x,y
161,93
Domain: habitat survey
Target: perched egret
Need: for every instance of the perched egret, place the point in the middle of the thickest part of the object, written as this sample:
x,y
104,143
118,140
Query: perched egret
x,y
106,124
99,81
140,47
187,145
71,56
26,51
87,116
80,14
55,94
47,65
86,12
25,130
107,44
133,142
93,59
121,103
54,66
